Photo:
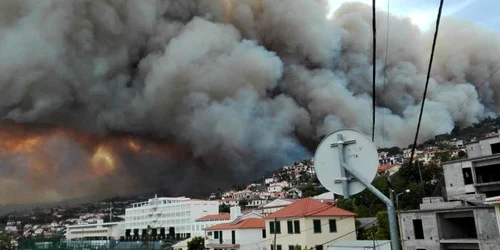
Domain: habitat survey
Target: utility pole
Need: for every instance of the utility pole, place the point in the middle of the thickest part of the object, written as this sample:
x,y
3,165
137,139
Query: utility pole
x,y
275,227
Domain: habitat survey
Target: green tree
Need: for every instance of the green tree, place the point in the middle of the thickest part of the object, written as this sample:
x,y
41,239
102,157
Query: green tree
x,y
383,231
243,203
224,208
5,241
442,156
394,151
197,243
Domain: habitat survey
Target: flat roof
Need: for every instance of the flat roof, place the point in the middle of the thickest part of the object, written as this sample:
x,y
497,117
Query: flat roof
x,y
486,157
454,209
482,139
95,224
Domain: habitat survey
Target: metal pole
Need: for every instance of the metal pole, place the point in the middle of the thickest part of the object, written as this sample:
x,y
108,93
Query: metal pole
x,y
345,185
275,227
397,200
390,206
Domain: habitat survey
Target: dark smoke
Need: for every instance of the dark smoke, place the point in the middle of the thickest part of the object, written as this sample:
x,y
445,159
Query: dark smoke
x,y
238,82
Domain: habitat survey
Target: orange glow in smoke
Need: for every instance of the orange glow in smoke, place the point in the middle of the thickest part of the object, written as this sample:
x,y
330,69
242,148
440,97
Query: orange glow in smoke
x,y
103,162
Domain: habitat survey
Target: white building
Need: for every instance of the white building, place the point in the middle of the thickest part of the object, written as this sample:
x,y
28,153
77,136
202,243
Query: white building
x,y
162,214
274,188
244,232
229,201
257,203
275,205
208,221
97,231
268,181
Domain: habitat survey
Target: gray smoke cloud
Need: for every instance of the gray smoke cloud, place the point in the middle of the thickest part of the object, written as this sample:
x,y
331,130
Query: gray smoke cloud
x,y
241,82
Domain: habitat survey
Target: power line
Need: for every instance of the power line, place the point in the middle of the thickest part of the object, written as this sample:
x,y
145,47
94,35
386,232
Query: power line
x,y
463,103
385,70
426,86
342,236
286,234
374,27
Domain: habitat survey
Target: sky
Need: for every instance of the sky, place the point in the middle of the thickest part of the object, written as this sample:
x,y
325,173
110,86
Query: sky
x,y
424,12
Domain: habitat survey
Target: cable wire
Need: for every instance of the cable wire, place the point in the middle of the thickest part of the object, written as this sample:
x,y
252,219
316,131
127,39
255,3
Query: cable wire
x,y
301,231
426,85
463,103
374,27
342,236
385,71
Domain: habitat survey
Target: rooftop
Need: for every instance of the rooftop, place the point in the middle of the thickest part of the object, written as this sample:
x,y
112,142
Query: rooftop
x,y
309,207
243,224
221,216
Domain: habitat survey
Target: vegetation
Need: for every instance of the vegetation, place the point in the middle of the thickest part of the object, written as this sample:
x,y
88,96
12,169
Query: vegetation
x,y
197,243
224,208
365,204
4,241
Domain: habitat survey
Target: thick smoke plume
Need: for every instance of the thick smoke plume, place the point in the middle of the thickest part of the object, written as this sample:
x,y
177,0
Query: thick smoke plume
x,y
236,86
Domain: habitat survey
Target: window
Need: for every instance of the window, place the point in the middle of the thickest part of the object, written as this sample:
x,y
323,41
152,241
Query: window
x,y
333,226
209,233
216,234
290,226
296,225
233,237
263,233
278,228
495,148
271,227
319,247
278,247
418,229
317,226
291,247
467,173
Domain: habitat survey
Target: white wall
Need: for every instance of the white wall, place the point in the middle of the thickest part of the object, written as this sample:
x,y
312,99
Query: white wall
x,y
180,213
248,239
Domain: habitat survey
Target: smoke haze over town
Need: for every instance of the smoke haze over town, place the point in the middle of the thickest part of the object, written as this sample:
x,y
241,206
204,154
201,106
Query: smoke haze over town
x,y
116,96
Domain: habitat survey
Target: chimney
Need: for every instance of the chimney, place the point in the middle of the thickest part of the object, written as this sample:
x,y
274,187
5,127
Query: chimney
x,y
235,211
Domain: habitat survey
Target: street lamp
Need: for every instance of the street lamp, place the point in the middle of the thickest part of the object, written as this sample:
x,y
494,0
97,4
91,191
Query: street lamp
x,y
397,197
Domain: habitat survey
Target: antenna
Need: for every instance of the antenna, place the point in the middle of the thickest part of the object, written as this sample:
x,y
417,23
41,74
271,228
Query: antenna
x,y
346,162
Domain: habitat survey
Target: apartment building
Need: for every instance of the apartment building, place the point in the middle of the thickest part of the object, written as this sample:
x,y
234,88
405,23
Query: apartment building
x,y
309,223
463,220
168,216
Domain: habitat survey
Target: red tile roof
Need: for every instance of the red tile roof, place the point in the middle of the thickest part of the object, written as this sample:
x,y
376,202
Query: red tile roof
x,y
243,224
493,200
221,216
309,208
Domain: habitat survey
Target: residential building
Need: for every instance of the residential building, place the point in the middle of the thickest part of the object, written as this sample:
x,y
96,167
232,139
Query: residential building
x,y
478,174
242,232
495,201
245,234
229,201
244,194
274,188
215,219
455,224
361,245
275,205
255,203
96,231
268,181
294,193
309,223
166,216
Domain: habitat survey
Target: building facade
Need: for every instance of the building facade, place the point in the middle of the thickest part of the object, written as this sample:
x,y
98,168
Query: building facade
x,y
309,223
463,220
166,216
275,206
96,231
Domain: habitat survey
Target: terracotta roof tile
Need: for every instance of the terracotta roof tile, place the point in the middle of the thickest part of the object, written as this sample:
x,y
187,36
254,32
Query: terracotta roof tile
x,y
309,208
493,200
221,216
243,224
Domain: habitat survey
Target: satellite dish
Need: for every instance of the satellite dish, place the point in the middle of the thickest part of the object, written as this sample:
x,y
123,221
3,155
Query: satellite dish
x,y
360,154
